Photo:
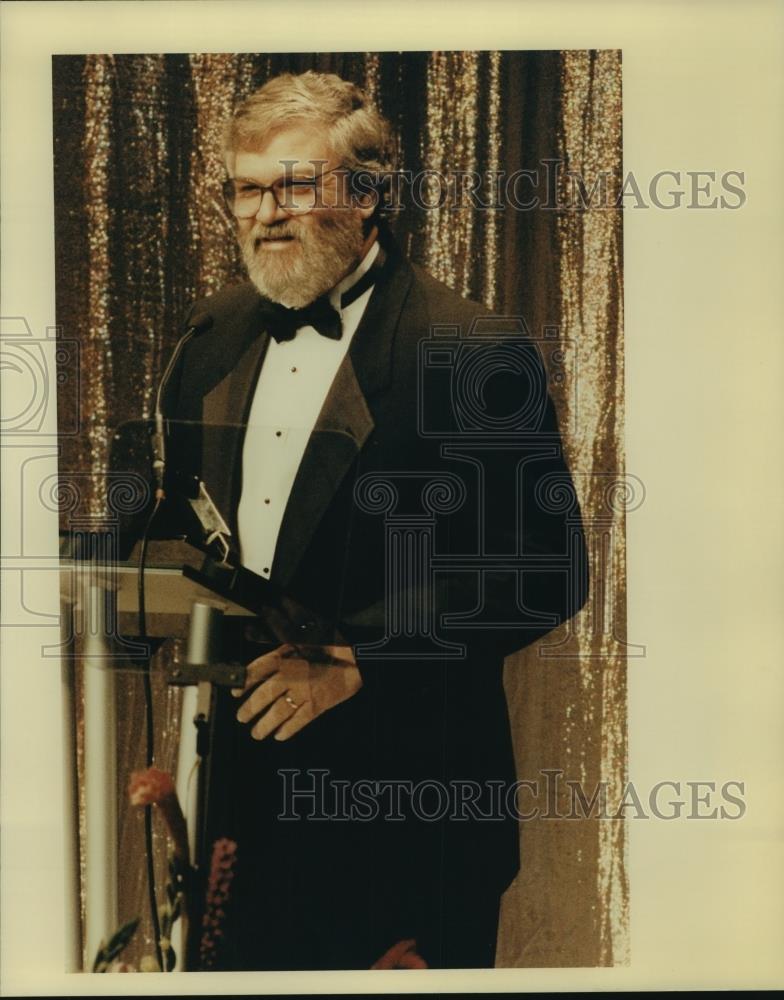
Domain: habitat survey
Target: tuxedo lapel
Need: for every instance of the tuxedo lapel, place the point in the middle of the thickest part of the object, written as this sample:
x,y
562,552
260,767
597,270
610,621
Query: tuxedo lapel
x,y
225,365
224,417
345,421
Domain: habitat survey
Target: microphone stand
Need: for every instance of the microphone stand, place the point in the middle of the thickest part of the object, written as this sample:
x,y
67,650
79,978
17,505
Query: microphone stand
x,y
199,324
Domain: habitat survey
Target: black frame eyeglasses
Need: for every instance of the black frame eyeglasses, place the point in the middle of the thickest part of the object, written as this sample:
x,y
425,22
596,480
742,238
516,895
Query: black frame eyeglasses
x,y
295,195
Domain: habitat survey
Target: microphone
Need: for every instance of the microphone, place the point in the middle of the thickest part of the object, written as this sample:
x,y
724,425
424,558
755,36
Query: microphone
x,y
199,323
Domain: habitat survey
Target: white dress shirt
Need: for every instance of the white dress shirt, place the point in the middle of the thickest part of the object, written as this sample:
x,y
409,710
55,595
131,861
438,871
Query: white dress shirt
x,y
293,383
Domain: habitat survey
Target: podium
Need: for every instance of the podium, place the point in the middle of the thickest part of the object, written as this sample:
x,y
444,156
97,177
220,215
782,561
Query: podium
x,y
100,626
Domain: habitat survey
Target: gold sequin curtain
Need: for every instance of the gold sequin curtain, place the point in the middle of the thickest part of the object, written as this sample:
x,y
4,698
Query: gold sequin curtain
x,y
140,233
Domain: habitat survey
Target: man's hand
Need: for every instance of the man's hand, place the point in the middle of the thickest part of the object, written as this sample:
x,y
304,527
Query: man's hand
x,y
293,685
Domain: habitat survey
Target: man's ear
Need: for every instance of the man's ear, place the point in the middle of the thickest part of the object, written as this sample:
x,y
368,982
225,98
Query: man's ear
x,y
366,204
363,193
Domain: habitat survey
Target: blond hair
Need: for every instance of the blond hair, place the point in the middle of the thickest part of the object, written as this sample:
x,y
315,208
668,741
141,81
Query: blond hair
x,y
360,136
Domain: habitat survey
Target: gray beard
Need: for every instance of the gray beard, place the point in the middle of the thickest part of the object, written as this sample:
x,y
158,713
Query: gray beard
x,y
315,261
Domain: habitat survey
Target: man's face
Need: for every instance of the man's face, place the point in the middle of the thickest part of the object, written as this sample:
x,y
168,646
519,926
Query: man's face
x,y
292,258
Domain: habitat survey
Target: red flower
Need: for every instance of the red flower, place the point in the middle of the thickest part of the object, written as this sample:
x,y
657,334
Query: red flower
x,y
149,787
402,955
154,787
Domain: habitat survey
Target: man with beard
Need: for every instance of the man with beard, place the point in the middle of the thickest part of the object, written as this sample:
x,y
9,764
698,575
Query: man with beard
x,y
310,397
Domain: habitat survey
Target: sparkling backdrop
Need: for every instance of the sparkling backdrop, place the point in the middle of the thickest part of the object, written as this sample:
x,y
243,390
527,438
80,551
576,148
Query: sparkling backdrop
x,y
591,297
140,233
449,144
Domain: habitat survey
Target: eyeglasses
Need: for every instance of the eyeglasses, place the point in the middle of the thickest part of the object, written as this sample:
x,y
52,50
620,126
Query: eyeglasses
x,y
295,195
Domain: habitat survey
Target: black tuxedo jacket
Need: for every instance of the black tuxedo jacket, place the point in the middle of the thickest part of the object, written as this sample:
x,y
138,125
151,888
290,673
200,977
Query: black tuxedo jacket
x,y
437,437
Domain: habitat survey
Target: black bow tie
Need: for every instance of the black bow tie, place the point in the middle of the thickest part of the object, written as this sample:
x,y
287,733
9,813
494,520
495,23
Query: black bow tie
x,y
283,323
